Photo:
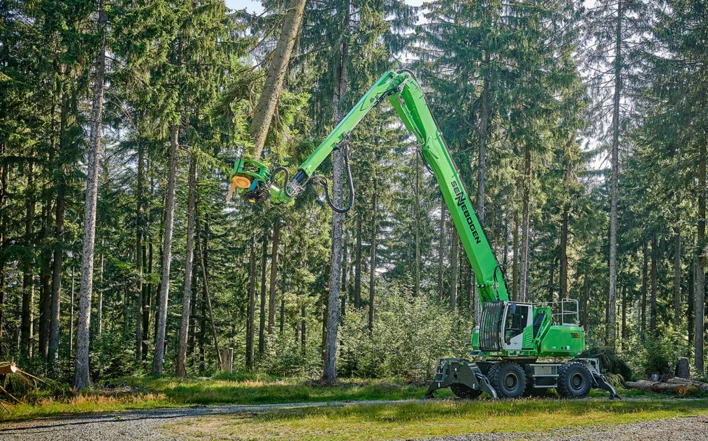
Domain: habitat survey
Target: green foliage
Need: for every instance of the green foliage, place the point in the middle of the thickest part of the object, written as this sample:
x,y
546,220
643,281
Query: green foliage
x,y
408,337
658,357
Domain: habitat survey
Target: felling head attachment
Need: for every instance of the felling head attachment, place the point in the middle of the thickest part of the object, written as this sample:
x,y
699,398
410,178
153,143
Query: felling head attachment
x,y
253,176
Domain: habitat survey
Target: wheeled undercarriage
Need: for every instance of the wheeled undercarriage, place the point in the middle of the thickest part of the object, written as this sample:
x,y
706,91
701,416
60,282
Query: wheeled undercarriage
x,y
514,378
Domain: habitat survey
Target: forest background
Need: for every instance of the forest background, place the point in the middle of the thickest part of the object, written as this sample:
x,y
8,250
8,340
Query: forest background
x,y
579,128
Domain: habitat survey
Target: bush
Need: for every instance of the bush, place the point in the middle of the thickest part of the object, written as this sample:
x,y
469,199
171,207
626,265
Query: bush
x,y
408,337
657,358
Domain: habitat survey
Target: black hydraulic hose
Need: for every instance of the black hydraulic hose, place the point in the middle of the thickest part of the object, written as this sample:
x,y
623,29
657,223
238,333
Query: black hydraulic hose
x,y
323,182
287,179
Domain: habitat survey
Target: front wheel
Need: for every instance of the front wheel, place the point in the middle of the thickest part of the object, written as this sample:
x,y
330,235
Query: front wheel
x,y
574,380
508,379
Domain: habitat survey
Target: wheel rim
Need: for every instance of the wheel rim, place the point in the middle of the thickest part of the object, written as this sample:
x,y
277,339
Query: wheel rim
x,y
510,381
577,381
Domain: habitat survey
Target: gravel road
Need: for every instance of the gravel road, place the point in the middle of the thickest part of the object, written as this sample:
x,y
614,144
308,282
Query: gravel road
x,y
145,425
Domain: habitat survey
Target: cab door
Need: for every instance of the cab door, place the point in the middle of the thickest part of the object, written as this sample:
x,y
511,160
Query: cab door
x,y
517,317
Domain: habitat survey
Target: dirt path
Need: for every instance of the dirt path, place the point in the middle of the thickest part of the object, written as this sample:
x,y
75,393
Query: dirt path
x,y
145,425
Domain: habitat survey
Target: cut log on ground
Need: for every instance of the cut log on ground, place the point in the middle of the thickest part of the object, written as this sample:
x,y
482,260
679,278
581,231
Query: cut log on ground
x,y
679,389
700,385
8,368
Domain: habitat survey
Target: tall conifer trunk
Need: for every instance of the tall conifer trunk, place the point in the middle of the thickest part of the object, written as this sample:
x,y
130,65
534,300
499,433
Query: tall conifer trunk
x,y
341,86
525,227
264,289
81,367
441,252
159,354
273,278
251,306
372,263
357,265
139,252
180,367
27,316
454,267
700,269
612,294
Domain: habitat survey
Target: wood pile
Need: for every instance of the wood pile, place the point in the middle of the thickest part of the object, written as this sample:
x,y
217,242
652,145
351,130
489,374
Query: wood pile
x,y
676,386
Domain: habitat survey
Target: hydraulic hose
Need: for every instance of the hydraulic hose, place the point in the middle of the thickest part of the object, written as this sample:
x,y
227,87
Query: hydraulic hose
x,y
323,182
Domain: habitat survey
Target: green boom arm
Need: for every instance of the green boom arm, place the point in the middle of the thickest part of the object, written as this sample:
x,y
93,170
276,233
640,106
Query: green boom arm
x,y
406,96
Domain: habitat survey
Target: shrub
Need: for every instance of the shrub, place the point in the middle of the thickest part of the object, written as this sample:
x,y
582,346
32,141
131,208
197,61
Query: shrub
x,y
408,337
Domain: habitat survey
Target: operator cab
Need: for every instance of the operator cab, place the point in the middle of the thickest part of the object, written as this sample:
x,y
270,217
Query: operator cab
x,y
517,317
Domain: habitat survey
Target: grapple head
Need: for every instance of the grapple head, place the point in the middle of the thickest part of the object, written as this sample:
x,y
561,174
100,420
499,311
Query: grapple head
x,y
253,176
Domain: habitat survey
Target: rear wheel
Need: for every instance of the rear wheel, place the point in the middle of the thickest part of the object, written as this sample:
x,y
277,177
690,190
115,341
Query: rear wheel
x,y
508,379
574,380
464,391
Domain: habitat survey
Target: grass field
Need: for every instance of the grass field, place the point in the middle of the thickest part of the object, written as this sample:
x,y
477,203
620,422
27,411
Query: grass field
x,y
431,419
151,393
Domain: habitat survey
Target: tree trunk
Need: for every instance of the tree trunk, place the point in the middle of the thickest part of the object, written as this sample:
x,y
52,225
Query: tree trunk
x,y
677,279
251,306
44,281
454,267
345,268
55,308
139,252
303,329
357,267
27,317
564,252
441,252
99,307
276,74
654,275
180,370
264,289
700,269
273,278
3,222
282,289
147,303
416,286
341,83
612,294
525,227
158,359
202,252
485,117
624,317
71,315
81,372
691,325
515,263
645,289
372,264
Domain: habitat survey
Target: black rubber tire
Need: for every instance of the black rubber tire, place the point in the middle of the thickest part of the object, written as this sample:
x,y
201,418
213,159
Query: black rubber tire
x,y
463,391
574,380
508,379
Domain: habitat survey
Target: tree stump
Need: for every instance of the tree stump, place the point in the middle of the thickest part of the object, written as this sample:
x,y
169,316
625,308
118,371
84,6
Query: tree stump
x,y
683,370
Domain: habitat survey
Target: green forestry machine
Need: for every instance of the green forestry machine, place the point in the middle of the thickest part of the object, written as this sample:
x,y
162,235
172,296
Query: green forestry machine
x,y
512,338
